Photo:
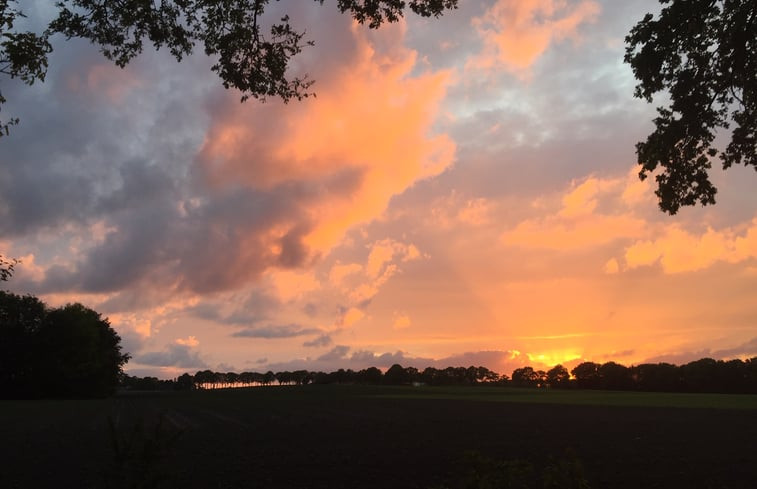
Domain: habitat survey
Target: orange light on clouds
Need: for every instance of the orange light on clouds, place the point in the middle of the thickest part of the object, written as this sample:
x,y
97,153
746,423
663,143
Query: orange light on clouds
x,y
516,33
678,250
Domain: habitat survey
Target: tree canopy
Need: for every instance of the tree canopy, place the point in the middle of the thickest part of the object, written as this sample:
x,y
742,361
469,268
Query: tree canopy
x,y
70,351
701,56
252,52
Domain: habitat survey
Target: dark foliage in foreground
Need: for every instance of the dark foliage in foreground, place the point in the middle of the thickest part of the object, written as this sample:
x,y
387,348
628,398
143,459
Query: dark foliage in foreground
x,y
704,375
69,351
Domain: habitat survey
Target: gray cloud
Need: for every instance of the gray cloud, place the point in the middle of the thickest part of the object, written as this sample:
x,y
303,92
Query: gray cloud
x,y
275,331
322,340
336,353
226,367
131,341
746,349
257,307
172,355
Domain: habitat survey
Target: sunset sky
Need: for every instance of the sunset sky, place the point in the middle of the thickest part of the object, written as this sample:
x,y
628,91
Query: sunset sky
x,y
462,191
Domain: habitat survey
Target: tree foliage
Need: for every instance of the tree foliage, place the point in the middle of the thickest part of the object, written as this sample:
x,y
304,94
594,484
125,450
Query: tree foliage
x,y
60,352
252,51
702,54
23,55
6,268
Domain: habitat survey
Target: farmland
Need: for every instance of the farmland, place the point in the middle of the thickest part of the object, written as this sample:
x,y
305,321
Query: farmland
x,y
375,437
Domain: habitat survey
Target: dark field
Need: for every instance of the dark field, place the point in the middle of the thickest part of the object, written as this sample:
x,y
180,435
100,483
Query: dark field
x,y
375,437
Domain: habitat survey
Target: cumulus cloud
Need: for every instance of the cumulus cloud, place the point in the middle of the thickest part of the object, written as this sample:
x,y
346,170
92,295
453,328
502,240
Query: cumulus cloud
x,y
210,197
372,140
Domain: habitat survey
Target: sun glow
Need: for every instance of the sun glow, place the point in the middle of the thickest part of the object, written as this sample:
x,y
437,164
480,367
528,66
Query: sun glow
x,y
552,358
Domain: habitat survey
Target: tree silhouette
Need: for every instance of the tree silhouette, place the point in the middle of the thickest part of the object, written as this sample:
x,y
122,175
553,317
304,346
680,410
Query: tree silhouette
x,y
82,350
68,351
586,375
614,376
21,318
252,51
528,377
184,382
396,375
558,376
370,375
703,56
656,377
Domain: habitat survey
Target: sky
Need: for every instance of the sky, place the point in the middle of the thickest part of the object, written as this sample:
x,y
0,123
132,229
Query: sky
x,y
461,191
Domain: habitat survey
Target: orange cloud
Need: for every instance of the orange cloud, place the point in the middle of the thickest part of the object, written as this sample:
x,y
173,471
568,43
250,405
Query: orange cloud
x,y
581,222
344,154
290,284
189,341
517,32
359,283
592,231
452,210
340,272
678,250
582,200
402,321
350,317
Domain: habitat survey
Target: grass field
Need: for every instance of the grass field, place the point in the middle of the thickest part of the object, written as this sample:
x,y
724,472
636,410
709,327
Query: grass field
x,y
375,437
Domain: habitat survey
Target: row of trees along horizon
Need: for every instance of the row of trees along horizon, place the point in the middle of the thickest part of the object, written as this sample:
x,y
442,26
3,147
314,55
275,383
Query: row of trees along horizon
x,y
704,375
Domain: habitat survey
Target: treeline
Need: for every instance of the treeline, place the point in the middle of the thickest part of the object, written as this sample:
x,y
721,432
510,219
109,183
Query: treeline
x,y
395,375
704,375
